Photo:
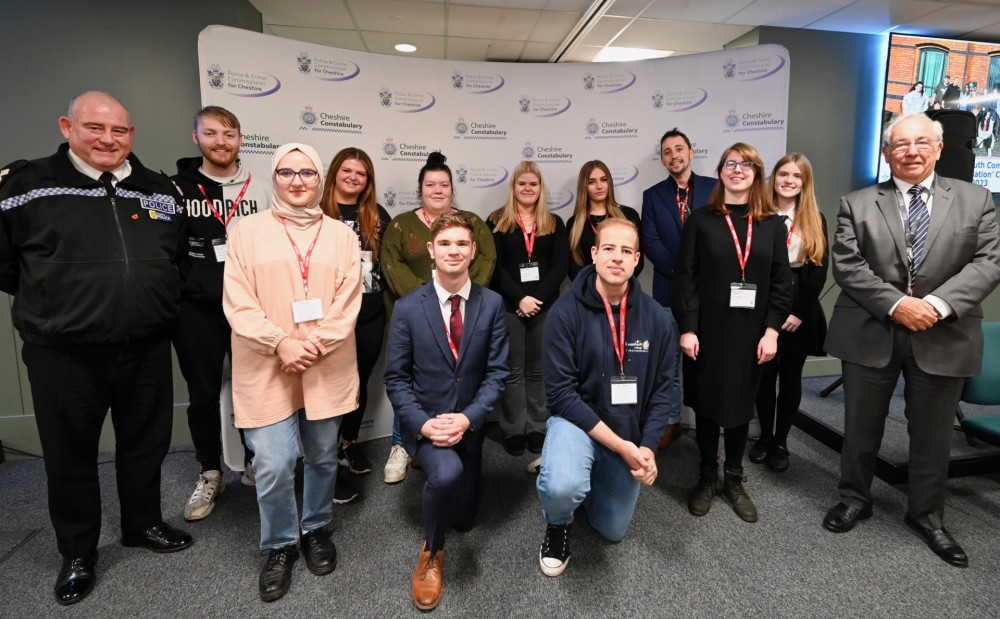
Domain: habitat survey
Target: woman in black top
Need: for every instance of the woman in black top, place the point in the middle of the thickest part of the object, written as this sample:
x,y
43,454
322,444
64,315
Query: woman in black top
x,y
532,254
803,332
595,201
349,195
731,293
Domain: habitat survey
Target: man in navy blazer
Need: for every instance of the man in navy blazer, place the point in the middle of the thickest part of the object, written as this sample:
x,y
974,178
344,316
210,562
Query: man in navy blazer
x,y
445,370
665,207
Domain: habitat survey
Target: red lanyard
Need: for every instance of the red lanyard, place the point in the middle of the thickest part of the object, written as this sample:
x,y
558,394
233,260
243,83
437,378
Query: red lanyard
x,y
740,254
232,211
591,221
682,206
529,240
426,218
304,264
618,339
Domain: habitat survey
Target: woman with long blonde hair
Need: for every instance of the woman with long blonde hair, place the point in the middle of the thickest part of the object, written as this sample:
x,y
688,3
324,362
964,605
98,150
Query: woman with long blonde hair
x,y
803,332
732,290
532,257
595,202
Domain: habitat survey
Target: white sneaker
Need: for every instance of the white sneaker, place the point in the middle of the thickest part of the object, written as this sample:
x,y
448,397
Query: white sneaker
x,y
535,466
395,467
554,555
248,479
202,502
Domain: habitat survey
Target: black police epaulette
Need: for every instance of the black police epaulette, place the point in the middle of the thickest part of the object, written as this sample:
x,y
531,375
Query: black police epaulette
x,y
9,169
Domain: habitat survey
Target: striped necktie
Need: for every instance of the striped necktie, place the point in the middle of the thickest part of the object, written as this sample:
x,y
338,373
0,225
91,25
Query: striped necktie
x,y
920,221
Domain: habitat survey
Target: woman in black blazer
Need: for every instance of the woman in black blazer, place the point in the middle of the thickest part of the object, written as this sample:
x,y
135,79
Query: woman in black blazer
x,y
804,330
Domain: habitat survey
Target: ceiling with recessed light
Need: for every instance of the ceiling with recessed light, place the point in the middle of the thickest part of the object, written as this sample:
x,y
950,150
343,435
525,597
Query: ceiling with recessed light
x,y
577,30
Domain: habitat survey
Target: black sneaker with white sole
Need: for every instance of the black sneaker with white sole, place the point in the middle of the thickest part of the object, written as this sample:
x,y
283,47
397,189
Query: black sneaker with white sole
x,y
554,553
344,491
354,459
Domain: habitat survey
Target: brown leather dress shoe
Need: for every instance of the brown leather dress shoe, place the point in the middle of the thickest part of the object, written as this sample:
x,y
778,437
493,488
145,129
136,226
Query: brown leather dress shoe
x,y
427,579
672,434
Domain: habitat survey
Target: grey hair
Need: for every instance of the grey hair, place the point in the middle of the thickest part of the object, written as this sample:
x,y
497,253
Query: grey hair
x,y
936,125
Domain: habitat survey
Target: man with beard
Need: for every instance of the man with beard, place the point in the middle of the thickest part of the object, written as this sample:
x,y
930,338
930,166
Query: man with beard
x,y
217,190
665,207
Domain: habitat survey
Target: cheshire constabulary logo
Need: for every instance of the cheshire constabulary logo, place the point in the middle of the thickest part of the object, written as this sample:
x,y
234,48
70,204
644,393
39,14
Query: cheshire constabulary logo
x,y
385,97
592,127
657,98
457,80
216,76
729,69
389,147
588,81
527,152
461,127
304,62
462,173
524,104
390,197
308,116
732,119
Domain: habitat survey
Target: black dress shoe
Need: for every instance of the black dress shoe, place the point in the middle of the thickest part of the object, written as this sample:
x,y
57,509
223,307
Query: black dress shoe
x,y
76,579
941,542
842,518
777,458
536,440
319,551
758,453
276,576
514,445
159,538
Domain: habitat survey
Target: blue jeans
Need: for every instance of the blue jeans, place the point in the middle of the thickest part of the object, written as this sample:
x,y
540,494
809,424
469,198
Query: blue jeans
x,y
397,436
277,448
577,469
674,399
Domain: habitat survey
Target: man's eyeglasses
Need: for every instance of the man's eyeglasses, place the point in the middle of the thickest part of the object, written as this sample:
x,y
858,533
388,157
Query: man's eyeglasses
x,y
286,175
746,166
924,145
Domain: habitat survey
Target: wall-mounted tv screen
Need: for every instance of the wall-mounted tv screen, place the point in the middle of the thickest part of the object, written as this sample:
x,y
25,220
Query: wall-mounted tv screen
x,y
926,73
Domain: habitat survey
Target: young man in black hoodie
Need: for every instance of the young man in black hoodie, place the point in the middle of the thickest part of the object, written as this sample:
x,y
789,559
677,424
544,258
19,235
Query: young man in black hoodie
x,y
217,190
608,361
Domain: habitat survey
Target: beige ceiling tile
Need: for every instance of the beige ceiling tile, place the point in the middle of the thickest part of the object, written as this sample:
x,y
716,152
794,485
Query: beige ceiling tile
x,y
955,20
777,13
604,30
877,15
344,39
538,52
461,48
675,35
404,16
485,23
316,13
554,26
582,53
384,42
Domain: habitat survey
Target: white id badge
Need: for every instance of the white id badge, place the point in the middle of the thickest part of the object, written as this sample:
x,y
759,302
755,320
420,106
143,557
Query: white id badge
x,y
306,310
529,272
743,296
624,390
221,247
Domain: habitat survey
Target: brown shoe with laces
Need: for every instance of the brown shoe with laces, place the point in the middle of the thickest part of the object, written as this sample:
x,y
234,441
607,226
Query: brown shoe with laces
x,y
427,579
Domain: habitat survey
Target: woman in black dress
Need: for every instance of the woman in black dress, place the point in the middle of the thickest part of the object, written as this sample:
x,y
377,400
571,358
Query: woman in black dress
x,y
595,202
803,332
349,195
732,292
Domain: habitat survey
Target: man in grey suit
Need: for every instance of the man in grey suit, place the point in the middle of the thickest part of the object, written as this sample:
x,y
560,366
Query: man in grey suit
x,y
914,257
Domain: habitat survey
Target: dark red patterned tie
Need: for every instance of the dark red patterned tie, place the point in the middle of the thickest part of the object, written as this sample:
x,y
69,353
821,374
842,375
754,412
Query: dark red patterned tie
x,y
456,320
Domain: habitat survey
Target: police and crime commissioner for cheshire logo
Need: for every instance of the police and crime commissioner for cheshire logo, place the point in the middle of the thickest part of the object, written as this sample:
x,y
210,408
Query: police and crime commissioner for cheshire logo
x,y
242,83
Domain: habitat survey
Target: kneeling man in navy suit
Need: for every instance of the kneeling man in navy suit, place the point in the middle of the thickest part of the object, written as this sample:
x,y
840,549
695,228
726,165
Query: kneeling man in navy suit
x,y
445,370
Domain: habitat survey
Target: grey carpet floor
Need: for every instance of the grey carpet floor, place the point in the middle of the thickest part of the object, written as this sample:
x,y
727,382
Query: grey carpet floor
x,y
669,564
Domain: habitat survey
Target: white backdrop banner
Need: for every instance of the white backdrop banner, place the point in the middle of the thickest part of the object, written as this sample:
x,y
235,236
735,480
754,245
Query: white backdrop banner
x,y
487,117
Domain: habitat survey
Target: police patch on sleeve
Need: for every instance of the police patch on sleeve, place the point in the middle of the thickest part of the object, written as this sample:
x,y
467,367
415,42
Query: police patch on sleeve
x,y
167,208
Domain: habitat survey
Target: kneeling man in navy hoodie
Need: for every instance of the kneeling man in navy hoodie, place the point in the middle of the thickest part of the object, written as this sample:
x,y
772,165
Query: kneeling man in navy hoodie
x,y
607,364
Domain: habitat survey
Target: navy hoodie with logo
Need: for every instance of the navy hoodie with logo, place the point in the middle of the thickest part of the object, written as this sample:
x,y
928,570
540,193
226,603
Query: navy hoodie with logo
x,y
579,360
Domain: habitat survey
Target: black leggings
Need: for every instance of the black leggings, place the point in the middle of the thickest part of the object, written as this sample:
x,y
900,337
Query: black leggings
x,y
776,413
707,435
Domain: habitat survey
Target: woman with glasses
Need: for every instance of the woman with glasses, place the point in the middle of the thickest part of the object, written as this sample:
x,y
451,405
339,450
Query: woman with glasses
x,y
349,196
595,202
532,254
731,293
406,263
292,292
803,332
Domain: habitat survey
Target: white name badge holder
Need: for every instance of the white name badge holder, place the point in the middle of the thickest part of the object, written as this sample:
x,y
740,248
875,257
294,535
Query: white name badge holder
x,y
306,309
529,272
742,295
624,390
221,248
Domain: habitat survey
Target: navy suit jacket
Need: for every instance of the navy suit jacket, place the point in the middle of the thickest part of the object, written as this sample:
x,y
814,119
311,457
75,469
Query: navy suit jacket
x,y
422,378
661,228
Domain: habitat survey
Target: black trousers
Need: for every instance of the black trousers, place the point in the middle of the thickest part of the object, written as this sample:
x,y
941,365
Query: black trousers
x,y
451,493
777,405
368,335
202,340
73,387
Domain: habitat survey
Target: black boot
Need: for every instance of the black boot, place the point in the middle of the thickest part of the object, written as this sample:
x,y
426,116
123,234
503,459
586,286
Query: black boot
x,y
276,577
700,500
733,489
